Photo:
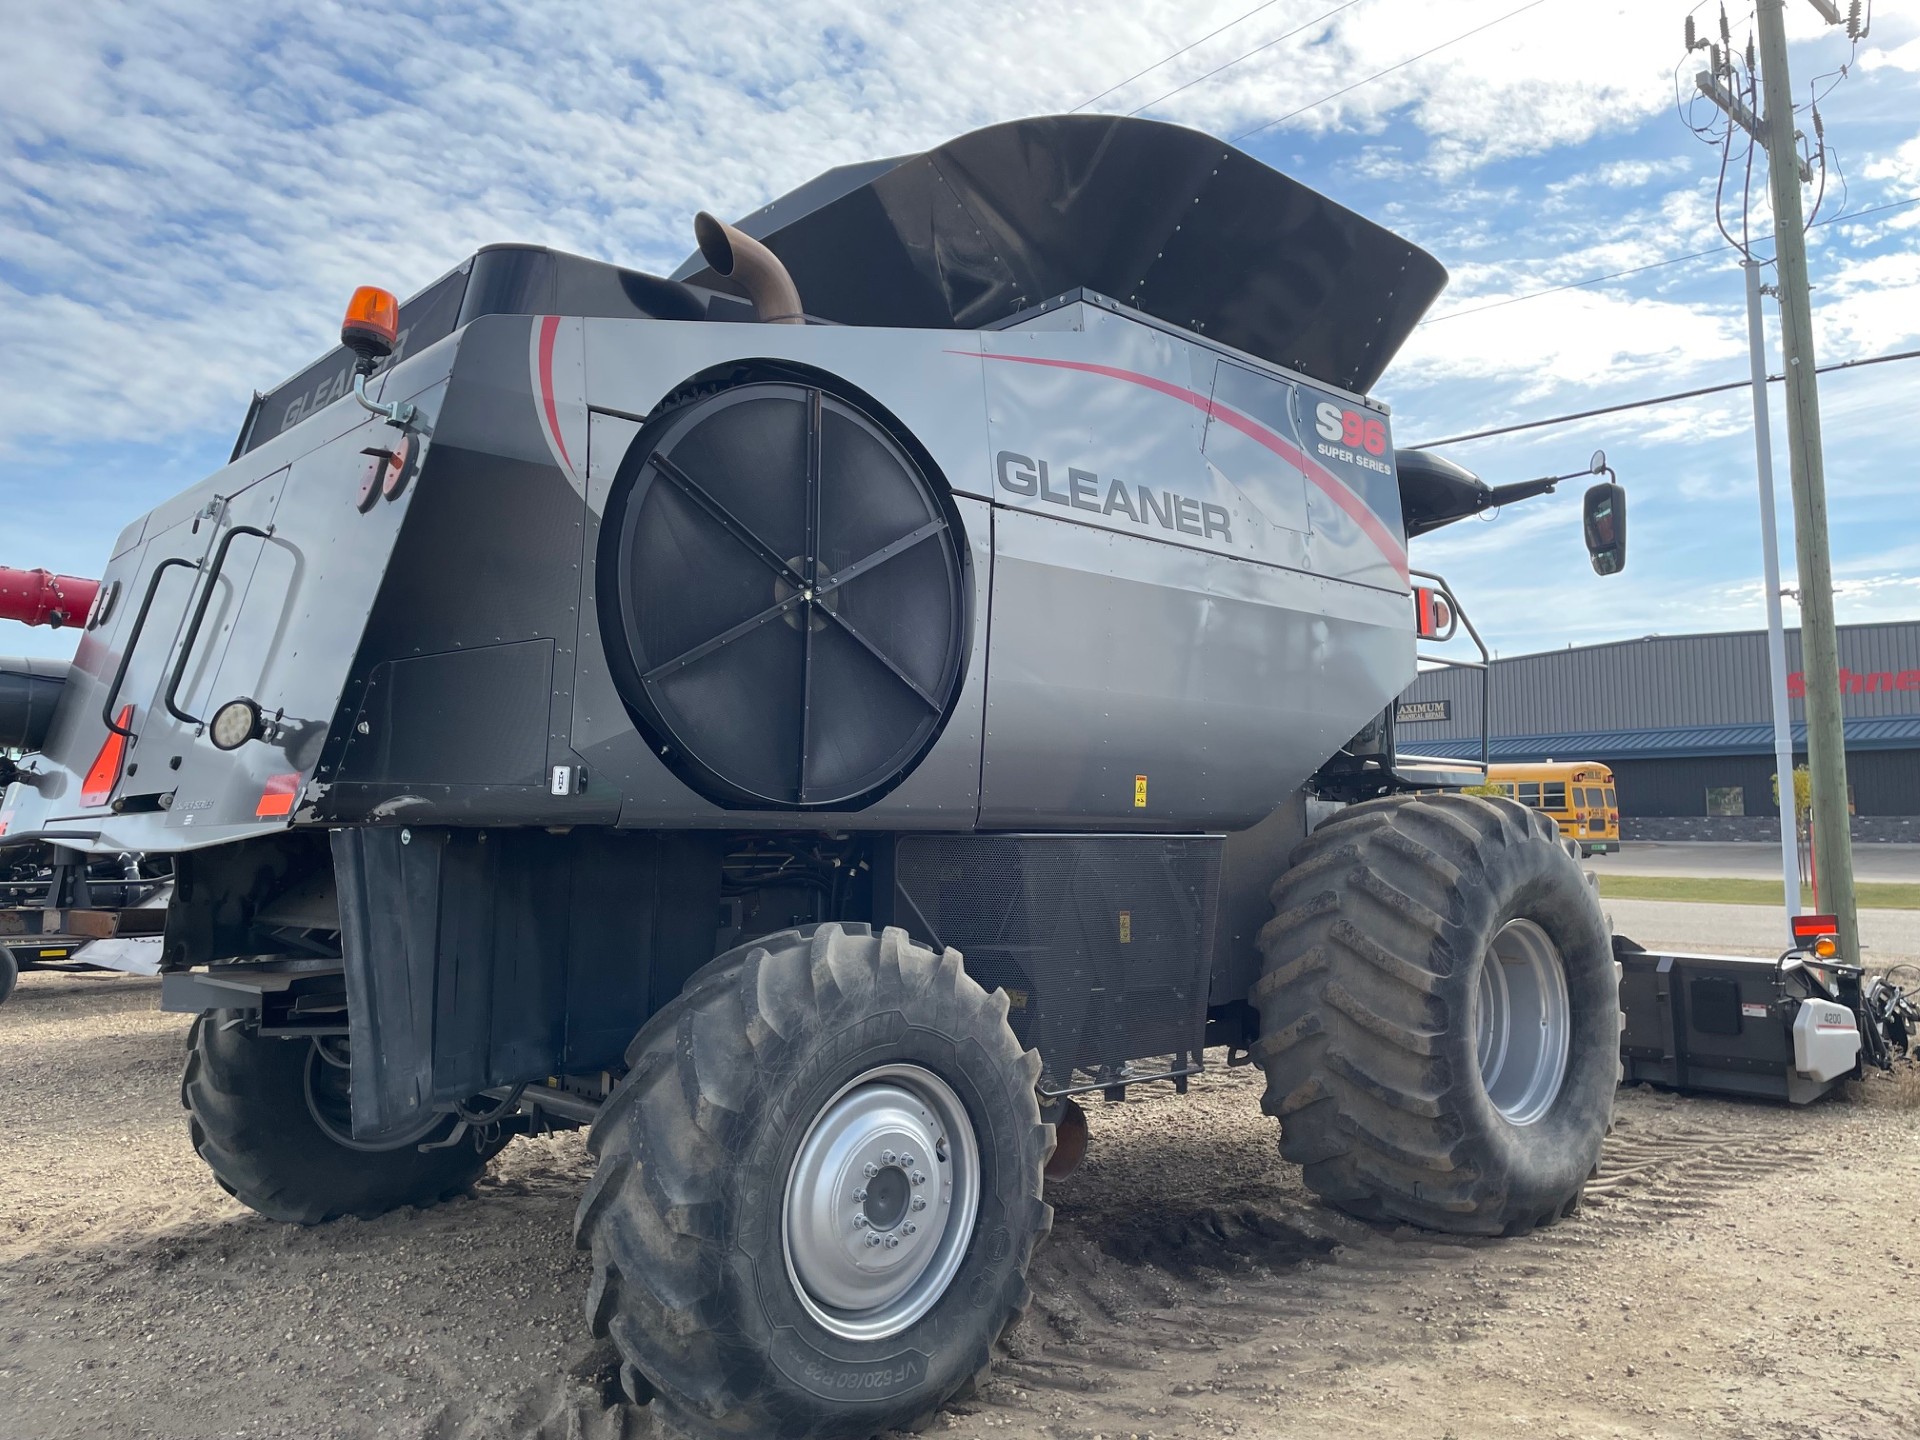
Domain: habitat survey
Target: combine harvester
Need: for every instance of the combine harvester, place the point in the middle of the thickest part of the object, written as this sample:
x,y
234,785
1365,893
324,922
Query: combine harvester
x,y
56,901
810,717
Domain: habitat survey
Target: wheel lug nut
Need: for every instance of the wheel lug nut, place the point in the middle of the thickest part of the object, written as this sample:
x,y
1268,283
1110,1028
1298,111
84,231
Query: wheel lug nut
x,y
893,1242
871,1171
919,1202
908,1228
859,1197
887,1157
918,1178
860,1222
906,1162
873,1239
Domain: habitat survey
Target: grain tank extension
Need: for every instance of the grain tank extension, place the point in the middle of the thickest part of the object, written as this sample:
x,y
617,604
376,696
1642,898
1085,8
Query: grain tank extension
x,y
810,717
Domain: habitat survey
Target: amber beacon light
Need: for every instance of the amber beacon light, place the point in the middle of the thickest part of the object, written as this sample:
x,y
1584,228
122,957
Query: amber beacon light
x,y
371,330
372,325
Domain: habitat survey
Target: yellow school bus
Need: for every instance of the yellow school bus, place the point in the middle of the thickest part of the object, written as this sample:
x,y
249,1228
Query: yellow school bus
x,y
1578,796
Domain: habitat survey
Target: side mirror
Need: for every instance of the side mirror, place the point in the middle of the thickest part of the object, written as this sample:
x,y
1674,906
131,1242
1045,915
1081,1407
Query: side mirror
x,y
1605,521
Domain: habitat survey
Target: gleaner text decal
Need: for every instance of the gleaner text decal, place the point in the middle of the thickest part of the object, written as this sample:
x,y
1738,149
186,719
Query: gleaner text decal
x,y
1084,490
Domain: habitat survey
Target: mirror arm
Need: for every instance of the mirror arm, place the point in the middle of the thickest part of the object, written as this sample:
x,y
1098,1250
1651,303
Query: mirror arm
x,y
1520,490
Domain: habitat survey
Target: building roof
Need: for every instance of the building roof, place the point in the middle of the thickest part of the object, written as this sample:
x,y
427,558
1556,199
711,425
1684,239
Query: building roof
x,y
1886,732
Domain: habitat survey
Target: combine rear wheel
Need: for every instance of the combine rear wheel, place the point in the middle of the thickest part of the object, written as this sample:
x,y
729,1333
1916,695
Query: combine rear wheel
x,y
819,1189
270,1117
1439,1017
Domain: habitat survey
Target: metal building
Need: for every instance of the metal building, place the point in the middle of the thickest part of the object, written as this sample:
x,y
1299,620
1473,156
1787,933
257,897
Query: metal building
x,y
1685,723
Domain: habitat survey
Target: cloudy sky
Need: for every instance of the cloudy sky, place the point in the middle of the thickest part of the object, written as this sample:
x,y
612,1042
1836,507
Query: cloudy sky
x,y
189,189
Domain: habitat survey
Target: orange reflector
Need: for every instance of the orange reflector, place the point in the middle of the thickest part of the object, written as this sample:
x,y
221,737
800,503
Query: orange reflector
x,y
372,323
1826,947
278,796
97,788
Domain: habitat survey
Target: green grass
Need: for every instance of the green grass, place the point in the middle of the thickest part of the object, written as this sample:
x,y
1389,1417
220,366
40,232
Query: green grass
x,y
1877,895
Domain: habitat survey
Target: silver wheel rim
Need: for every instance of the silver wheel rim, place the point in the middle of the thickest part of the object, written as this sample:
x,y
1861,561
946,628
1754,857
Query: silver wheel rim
x,y
880,1202
1521,1022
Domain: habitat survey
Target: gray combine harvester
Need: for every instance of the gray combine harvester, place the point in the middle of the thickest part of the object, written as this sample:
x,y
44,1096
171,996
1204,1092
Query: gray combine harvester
x,y
807,719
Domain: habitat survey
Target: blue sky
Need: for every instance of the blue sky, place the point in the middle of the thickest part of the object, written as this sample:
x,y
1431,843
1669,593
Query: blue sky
x,y
187,197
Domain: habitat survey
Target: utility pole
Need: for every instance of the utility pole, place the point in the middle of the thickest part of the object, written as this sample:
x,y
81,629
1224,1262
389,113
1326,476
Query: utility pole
x,y
1819,648
1776,629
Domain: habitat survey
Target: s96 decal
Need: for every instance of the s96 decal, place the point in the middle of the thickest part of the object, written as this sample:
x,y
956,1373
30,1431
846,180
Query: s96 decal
x,y
1352,436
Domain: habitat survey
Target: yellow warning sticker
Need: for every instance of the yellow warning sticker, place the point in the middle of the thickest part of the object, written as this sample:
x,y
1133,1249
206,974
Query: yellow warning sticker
x,y
1139,792
1126,927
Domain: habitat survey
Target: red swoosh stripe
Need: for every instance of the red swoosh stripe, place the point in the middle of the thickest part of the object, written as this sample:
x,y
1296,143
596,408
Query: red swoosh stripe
x,y
1387,542
550,327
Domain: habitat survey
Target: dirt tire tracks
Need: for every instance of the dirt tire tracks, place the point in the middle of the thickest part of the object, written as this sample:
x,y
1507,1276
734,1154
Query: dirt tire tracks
x,y
1212,1284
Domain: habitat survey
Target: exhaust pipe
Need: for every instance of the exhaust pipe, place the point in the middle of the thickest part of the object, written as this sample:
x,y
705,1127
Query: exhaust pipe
x,y
735,255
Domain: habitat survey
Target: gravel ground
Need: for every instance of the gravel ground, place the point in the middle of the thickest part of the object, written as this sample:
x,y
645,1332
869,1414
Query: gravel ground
x,y
1191,1287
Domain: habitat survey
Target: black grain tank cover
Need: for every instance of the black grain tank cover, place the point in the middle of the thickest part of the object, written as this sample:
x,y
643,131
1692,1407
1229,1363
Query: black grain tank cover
x,y
499,280
1161,218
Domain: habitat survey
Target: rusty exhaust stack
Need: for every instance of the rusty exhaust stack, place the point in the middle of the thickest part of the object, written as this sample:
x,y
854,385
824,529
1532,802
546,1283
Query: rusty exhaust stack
x,y
735,255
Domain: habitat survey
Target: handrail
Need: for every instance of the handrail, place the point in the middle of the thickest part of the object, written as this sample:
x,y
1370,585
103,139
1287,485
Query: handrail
x,y
199,617
133,640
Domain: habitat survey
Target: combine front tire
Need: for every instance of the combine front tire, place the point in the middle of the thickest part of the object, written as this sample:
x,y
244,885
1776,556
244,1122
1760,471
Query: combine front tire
x,y
819,1188
1439,1015
270,1118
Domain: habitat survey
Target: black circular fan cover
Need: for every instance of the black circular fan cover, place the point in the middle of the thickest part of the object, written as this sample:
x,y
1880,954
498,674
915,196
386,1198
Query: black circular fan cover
x,y
788,586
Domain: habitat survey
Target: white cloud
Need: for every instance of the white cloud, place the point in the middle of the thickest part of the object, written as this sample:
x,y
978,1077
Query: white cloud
x,y
1578,338
1901,57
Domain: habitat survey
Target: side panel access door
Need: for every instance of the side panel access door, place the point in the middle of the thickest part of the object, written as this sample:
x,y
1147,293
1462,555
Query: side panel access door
x,y
120,666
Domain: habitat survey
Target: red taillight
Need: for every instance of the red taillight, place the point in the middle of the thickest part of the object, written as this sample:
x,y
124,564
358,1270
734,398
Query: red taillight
x,y
97,788
1433,613
1810,927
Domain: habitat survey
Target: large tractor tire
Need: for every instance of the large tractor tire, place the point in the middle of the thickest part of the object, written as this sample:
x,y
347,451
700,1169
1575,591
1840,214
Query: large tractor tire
x,y
1440,1015
819,1189
270,1118
9,973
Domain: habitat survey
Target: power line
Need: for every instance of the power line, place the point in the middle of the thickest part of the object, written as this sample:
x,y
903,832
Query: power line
x,y
1655,265
1657,400
1380,74
1298,29
1265,5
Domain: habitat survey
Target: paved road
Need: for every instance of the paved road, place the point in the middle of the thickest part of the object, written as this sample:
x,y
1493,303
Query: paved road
x,y
1888,935
1710,860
